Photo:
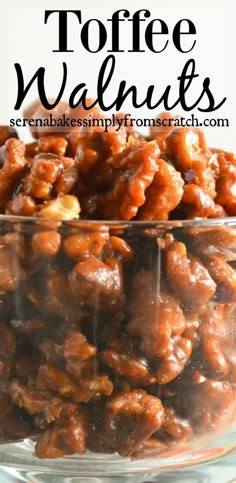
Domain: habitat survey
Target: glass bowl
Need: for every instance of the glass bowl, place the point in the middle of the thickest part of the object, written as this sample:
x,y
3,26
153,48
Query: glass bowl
x,y
117,346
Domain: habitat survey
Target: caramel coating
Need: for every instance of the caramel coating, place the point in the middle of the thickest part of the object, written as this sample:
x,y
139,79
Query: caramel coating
x,y
217,337
176,426
82,246
52,144
14,426
35,402
225,183
7,351
134,172
196,203
13,160
187,276
144,415
10,275
82,365
187,149
77,348
43,175
98,284
218,395
46,243
67,436
163,195
125,365
174,359
67,180
94,149
21,205
153,318
218,240
225,278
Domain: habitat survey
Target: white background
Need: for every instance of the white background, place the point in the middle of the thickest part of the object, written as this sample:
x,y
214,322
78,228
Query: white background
x,y
29,42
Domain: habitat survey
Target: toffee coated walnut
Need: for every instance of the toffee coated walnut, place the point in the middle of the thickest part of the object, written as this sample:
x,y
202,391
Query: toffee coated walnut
x,y
115,337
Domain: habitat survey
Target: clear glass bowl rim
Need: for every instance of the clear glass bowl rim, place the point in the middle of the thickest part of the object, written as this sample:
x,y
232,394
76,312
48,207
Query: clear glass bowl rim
x,y
122,224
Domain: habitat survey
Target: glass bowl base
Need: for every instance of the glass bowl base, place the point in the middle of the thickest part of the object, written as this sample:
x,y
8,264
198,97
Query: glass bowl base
x,y
18,458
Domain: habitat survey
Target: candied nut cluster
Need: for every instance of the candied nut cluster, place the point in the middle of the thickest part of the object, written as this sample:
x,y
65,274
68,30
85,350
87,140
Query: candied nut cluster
x,y
116,337
114,175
